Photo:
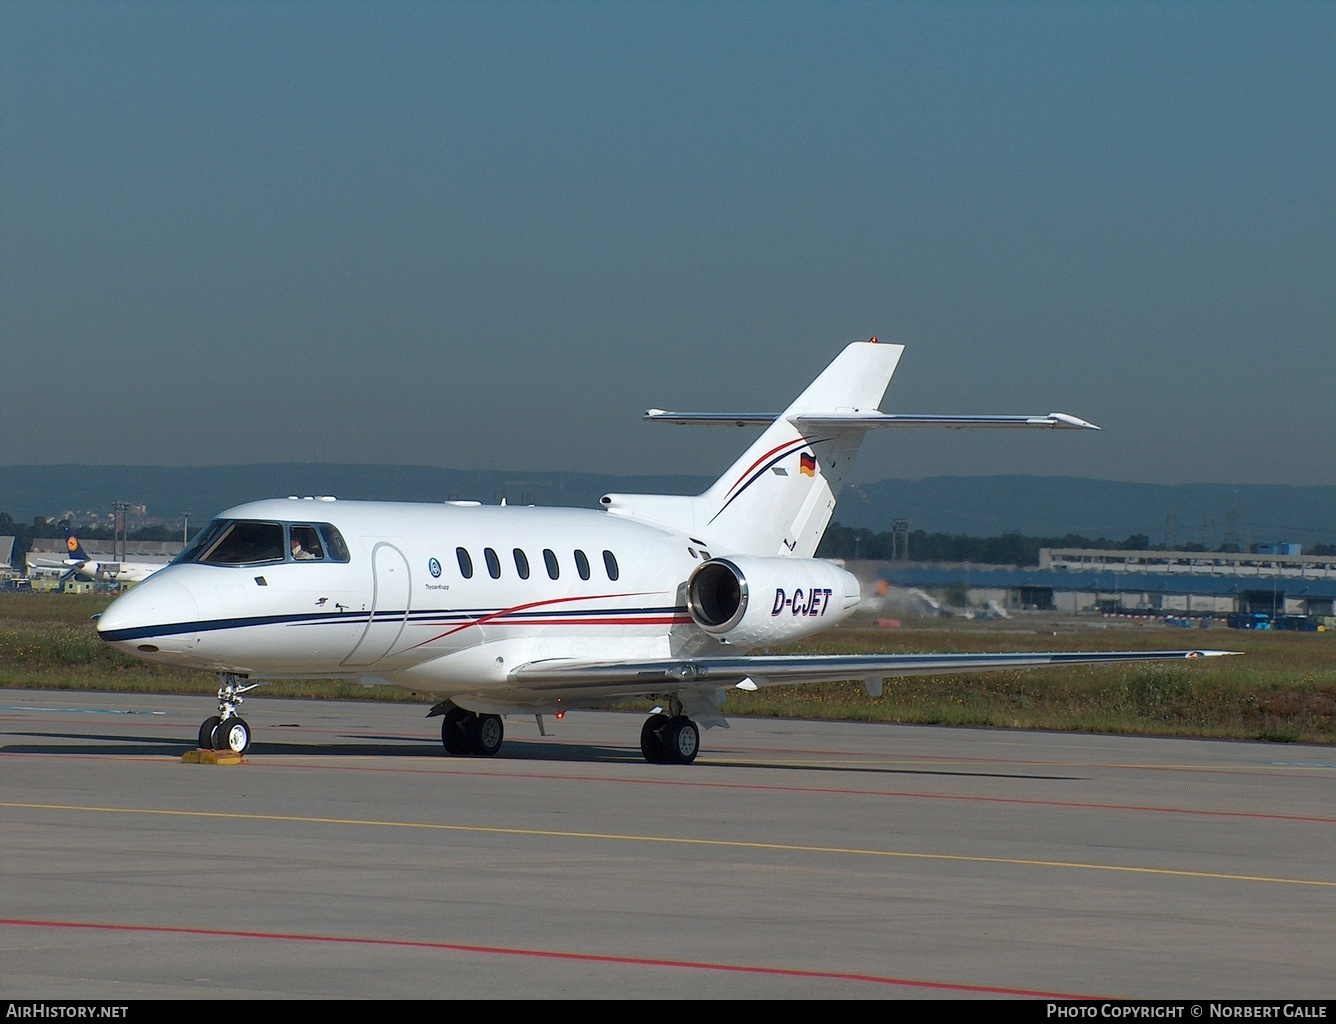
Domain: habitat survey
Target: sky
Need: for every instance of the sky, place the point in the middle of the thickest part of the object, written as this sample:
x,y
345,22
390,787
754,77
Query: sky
x,y
489,235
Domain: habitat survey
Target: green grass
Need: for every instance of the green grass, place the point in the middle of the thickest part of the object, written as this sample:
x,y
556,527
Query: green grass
x,y
1283,688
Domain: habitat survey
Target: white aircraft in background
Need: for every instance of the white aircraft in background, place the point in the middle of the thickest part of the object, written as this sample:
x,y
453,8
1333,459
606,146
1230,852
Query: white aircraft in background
x,y
78,562
526,610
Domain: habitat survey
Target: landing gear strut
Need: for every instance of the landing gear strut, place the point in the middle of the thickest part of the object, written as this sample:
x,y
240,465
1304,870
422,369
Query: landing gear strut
x,y
466,732
670,738
227,730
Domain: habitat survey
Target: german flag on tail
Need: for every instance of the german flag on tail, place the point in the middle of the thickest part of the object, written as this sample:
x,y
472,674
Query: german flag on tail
x,y
807,464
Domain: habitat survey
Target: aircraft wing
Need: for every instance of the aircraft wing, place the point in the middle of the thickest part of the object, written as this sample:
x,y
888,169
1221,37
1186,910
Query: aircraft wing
x,y
38,562
749,672
862,420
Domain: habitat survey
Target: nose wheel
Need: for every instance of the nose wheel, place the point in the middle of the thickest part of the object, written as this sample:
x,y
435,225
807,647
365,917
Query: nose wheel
x,y
206,732
232,734
227,730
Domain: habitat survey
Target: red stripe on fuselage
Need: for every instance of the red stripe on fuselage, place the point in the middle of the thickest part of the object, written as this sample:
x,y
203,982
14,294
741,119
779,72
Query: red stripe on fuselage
x,y
504,612
664,621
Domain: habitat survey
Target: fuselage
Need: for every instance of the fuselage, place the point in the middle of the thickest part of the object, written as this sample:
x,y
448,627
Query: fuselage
x,y
115,572
444,598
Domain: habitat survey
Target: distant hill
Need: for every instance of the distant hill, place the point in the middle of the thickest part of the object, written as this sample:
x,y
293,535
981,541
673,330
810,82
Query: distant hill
x,y
976,506
27,491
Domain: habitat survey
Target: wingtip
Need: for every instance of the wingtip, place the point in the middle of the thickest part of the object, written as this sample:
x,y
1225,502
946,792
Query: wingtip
x,y
1066,419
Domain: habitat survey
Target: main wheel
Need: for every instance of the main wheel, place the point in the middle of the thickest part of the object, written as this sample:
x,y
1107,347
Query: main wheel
x,y
232,734
651,738
487,734
206,732
454,732
681,740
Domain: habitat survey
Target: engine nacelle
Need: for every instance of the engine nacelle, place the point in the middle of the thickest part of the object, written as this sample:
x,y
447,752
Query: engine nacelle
x,y
751,601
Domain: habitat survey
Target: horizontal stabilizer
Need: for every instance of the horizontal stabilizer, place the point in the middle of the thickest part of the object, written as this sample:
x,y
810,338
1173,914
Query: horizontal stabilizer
x,y
1053,420
870,420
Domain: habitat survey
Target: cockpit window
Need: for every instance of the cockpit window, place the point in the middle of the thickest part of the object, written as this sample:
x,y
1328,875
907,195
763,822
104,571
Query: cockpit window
x,y
246,542
335,548
304,545
237,542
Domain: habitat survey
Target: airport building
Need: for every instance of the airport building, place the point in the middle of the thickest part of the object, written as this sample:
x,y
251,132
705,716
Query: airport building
x,y
108,550
1274,583
6,559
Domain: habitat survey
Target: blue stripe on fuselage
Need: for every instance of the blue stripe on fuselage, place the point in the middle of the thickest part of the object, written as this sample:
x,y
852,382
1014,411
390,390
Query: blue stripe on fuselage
x,y
421,617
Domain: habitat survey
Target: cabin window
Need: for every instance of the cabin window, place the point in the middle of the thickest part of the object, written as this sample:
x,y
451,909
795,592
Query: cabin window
x,y
581,564
493,563
304,545
610,564
241,543
550,560
465,563
522,564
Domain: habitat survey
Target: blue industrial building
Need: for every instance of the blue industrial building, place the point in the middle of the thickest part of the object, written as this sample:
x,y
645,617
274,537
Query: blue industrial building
x,y
1267,583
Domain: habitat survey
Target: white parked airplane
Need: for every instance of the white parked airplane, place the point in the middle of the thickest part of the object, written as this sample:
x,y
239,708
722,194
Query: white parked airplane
x,y
520,609
77,562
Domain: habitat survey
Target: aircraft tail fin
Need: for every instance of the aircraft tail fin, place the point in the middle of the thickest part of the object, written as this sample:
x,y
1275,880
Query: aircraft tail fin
x,y
777,499
74,549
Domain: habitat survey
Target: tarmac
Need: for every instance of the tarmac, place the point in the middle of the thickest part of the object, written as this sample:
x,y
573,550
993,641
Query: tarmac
x,y
346,856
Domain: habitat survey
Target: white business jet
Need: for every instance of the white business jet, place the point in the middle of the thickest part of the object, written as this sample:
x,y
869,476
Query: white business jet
x,y
505,609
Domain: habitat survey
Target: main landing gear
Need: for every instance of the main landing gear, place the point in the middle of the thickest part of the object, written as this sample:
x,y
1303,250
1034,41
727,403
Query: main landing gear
x,y
466,732
665,738
670,738
227,730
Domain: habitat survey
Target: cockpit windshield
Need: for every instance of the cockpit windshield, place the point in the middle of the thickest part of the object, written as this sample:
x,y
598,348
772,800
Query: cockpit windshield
x,y
249,542
203,541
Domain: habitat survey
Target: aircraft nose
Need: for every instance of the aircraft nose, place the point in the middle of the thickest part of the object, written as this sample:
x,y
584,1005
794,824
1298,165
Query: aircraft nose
x,y
149,610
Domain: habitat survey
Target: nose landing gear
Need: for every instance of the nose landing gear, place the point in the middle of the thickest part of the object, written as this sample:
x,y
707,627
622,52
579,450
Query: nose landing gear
x,y
227,730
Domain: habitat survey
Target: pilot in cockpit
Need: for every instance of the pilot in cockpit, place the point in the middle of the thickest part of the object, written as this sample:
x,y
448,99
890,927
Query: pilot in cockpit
x,y
305,544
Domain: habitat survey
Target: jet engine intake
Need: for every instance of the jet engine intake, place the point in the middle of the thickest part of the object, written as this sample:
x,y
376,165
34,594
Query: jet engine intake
x,y
750,600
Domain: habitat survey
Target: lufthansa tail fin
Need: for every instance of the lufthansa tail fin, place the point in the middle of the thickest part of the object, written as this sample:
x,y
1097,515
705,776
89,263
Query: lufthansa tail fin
x,y
74,551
